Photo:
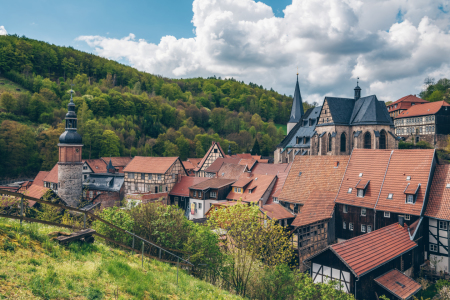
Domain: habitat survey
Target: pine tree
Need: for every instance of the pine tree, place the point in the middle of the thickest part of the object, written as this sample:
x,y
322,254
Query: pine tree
x,y
255,149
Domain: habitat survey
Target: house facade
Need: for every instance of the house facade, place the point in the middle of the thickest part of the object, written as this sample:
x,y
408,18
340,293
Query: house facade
x,y
403,104
213,153
108,189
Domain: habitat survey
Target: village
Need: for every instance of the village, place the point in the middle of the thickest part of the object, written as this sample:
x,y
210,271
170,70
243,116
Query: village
x,y
358,210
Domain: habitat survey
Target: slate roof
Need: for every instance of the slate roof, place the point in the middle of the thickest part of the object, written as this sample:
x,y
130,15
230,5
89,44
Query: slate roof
x,y
151,165
318,207
105,182
118,161
276,211
316,172
438,206
373,249
297,105
181,188
231,171
364,111
423,109
52,176
405,103
398,284
259,186
212,183
96,165
290,138
39,179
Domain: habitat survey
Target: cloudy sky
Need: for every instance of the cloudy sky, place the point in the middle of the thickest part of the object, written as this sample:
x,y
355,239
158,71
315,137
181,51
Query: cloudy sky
x,y
390,45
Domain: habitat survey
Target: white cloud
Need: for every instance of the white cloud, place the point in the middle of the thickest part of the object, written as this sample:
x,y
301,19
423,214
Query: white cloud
x,y
391,45
3,30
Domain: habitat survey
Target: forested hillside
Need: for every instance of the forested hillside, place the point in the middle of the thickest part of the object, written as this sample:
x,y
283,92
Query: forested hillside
x,y
436,91
122,111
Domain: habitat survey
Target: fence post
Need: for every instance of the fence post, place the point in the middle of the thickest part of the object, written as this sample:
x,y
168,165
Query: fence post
x,y
159,253
178,263
132,246
21,210
84,220
142,254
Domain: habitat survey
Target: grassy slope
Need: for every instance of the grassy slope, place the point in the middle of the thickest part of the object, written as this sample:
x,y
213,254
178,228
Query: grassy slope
x,y
34,267
10,87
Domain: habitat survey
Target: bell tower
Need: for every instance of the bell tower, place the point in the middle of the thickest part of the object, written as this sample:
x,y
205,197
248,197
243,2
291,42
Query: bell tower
x,y
70,167
297,108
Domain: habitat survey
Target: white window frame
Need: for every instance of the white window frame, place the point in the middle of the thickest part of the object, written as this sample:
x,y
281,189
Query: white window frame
x,y
200,194
213,194
345,209
199,205
344,225
131,175
363,212
275,200
410,199
390,196
407,217
350,190
443,225
387,214
195,193
159,177
433,247
350,226
360,193
369,228
363,228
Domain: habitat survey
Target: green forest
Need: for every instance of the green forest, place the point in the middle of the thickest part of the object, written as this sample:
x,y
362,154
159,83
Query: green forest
x,y
122,111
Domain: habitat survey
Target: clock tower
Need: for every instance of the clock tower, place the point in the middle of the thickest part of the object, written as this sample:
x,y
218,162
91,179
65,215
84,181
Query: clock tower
x,y
70,167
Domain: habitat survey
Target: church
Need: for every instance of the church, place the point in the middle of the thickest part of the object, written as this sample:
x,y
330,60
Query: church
x,y
336,127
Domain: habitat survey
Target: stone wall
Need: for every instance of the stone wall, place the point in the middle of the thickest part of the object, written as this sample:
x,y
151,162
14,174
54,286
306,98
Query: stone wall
x,y
70,183
438,141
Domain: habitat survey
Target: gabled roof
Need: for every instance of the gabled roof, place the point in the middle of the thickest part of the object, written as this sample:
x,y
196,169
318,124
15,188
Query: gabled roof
x,y
147,164
324,172
405,102
35,191
398,284
371,250
416,163
259,185
297,105
423,109
275,211
250,163
294,131
271,169
52,176
231,171
181,188
438,206
118,161
243,181
212,183
318,207
200,164
188,165
281,179
194,161
217,164
39,179
96,165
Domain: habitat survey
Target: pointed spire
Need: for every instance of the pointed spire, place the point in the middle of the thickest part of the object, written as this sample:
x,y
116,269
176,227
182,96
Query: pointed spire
x,y
297,105
357,90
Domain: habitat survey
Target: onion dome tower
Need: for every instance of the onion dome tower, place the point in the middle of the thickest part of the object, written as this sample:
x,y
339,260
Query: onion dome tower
x,y
70,167
357,90
297,108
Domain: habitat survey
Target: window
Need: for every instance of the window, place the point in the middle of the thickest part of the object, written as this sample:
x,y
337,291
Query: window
x,y
350,226
330,141
367,140
160,188
360,193
84,167
433,248
213,194
85,177
360,174
363,228
383,139
215,150
159,176
345,209
363,212
199,194
408,177
84,194
299,140
174,176
350,190
410,199
275,200
131,175
142,176
150,177
344,225
407,217
369,228
195,193
343,142
91,194
249,191
387,214
390,196
199,206
443,225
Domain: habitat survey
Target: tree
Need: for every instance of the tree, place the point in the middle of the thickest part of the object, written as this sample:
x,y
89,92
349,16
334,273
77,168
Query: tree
x,y
8,102
170,149
255,149
199,149
110,144
183,147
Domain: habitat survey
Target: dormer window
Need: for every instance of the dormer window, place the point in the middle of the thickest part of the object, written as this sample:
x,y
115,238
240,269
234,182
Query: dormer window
x,y
360,193
361,188
311,122
390,196
410,199
350,190
299,140
305,123
275,200
411,192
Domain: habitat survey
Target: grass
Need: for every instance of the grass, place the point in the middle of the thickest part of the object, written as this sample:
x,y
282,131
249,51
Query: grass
x,y
10,87
32,266
282,126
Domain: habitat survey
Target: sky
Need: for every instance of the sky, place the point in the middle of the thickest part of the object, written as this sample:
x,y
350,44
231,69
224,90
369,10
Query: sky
x,y
391,45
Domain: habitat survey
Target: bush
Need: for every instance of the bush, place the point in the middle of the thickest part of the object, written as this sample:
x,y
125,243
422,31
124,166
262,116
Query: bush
x,y
120,218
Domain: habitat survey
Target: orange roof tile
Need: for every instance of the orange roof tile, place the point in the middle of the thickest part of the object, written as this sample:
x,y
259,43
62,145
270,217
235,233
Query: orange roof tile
x,y
259,186
151,165
271,169
243,181
281,179
405,103
35,191
97,165
416,163
231,171
200,164
276,211
217,164
315,171
250,163
423,109
39,179
318,207
398,284
52,176
213,183
194,161
439,200
188,165
181,188
118,161
368,251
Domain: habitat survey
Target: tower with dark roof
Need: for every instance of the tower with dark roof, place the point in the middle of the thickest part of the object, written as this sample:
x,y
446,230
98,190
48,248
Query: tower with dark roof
x,y
357,90
69,165
297,108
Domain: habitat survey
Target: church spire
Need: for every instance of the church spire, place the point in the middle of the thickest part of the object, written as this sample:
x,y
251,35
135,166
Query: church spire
x,y
297,105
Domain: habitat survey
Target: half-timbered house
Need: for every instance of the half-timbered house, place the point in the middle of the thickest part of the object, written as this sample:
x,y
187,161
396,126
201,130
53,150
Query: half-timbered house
x,y
213,153
253,188
179,195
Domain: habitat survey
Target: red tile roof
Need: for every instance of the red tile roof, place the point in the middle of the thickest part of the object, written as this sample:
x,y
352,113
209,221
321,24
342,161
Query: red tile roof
x,y
151,165
243,181
244,155
423,109
217,164
416,163
405,103
316,171
281,179
39,179
271,169
181,188
231,171
117,161
368,251
276,211
213,183
52,176
318,207
259,186
250,163
439,200
35,191
96,165
398,284
200,164
188,165
194,161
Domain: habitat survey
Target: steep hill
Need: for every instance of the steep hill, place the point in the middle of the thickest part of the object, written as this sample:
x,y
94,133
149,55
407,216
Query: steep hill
x,y
123,111
32,266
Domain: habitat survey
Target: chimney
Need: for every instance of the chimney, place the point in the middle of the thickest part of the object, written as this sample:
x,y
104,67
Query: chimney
x,y
401,220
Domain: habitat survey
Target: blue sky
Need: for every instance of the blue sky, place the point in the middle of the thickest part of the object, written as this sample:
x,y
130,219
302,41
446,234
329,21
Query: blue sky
x,y
391,45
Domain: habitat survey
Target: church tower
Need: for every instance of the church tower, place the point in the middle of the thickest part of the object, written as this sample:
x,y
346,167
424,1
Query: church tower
x,y
70,167
297,108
